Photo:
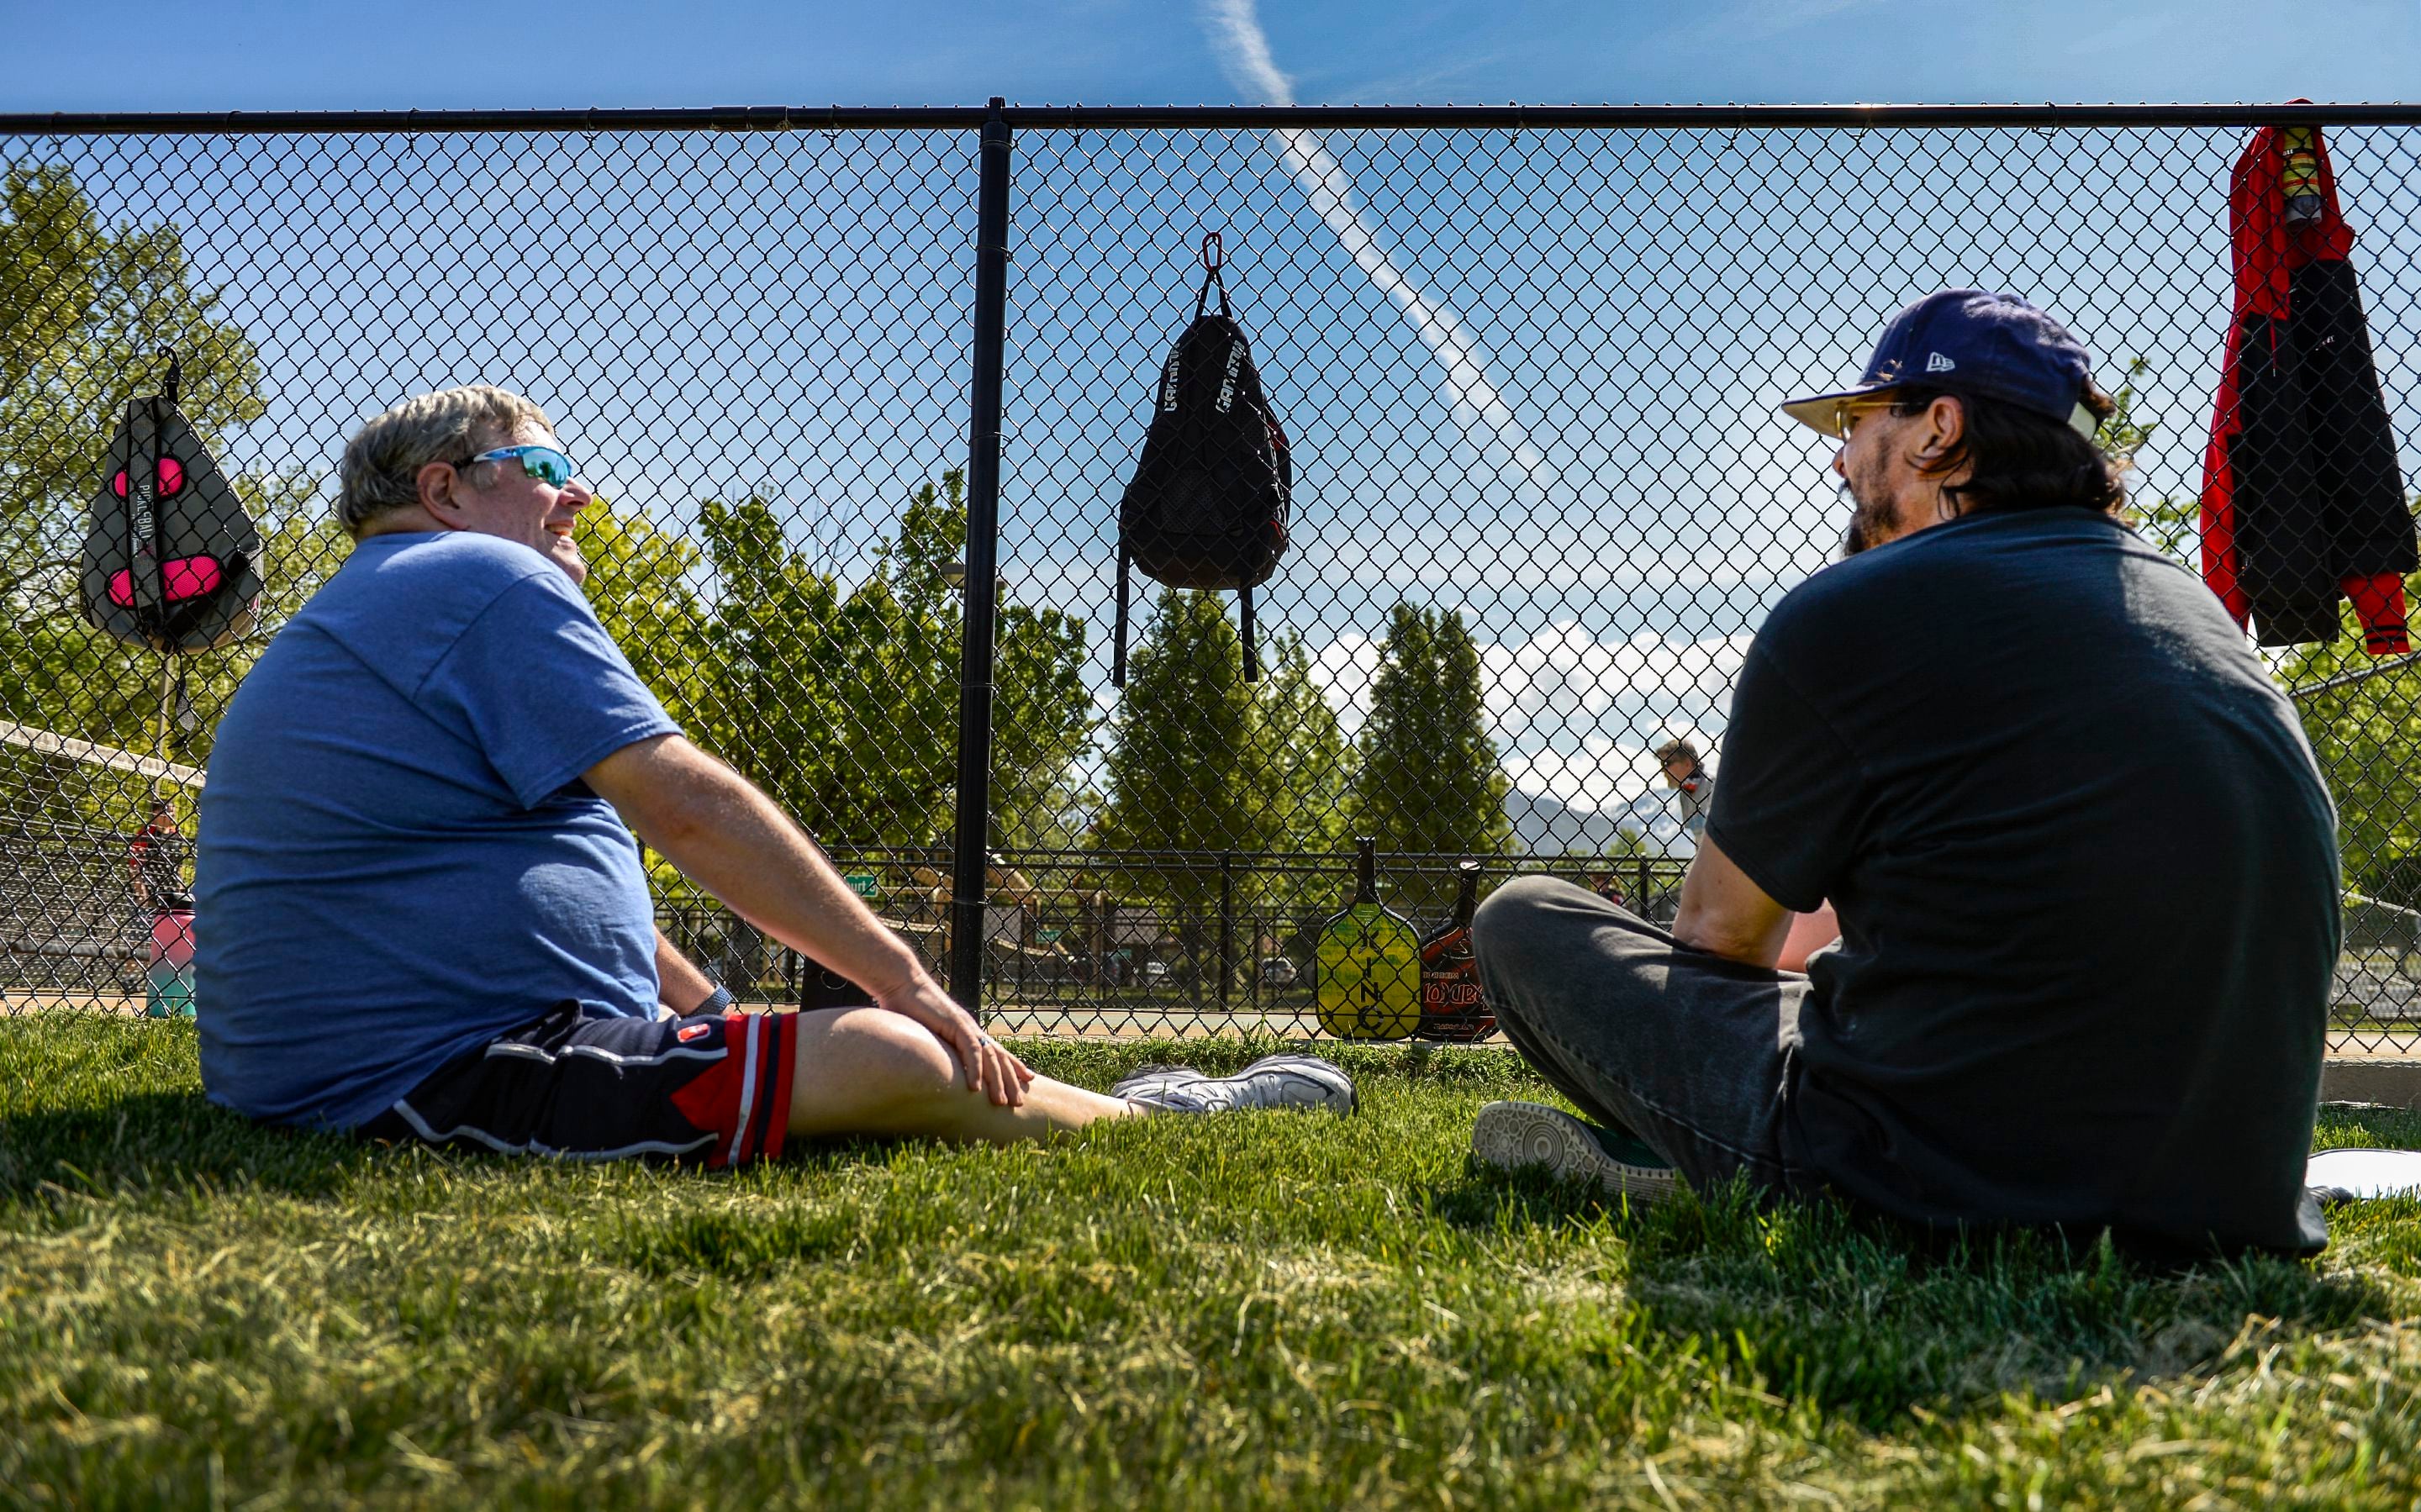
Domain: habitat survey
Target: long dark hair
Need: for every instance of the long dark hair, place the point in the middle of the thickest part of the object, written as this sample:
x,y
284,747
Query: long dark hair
x,y
2018,460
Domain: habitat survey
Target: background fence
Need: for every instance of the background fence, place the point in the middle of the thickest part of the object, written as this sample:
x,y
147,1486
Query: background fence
x,y
849,417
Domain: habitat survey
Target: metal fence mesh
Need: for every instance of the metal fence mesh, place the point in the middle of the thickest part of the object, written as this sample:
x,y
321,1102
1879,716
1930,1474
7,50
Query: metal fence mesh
x,y
1542,499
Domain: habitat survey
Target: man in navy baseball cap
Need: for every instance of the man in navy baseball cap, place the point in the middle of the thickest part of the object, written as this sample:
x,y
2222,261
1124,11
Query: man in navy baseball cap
x,y
2004,392
1970,339
2083,865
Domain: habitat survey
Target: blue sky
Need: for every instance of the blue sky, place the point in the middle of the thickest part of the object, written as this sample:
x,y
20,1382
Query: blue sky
x,y
294,54
1528,377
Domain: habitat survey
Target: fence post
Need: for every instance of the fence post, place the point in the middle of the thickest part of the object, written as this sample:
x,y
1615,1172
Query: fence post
x,y
969,884
1227,923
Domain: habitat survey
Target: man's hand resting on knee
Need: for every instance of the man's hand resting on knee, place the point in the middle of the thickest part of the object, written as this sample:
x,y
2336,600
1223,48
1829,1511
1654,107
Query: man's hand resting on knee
x,y
732,840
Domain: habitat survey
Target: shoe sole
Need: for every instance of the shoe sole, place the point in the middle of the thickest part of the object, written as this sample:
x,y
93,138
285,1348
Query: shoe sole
x,y
1512,1135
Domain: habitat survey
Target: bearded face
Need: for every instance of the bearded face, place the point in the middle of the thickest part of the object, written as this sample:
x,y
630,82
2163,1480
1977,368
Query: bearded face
x,y
1871,520
1864,464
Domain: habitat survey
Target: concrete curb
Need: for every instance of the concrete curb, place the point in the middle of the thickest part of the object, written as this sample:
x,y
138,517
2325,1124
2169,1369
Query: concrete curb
x,y
2392,1081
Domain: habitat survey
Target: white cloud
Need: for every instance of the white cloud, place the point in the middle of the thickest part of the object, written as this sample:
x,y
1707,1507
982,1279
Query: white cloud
x,y
1577,718
1243,50
1563,684
1604,775
1345,668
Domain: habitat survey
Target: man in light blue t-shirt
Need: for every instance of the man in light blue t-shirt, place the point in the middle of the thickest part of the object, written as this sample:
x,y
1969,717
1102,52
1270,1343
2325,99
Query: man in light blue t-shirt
x,y
426,914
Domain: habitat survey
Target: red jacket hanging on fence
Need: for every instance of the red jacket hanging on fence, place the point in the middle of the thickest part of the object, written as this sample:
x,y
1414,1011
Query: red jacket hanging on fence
x,y
2301,499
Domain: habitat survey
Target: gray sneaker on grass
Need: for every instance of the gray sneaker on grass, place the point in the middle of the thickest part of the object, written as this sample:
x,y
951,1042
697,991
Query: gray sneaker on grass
x,y
1304,1082
1510,1135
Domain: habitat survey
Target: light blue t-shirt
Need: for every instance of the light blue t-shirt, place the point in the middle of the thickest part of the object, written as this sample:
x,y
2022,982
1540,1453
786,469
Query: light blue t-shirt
x,y
398,860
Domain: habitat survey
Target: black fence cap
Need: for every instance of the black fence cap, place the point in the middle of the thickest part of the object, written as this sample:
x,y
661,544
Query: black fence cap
x,y
1199,117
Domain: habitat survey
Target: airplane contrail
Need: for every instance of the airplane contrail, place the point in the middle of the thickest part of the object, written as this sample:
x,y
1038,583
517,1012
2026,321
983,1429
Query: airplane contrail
x,y
1244,52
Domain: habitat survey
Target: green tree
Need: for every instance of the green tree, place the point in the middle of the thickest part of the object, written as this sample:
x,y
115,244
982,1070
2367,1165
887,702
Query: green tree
x,y
2367,736
644,584
1201,761
1041,711
2172,525
1184,765
69,679
1304,762
85,309
2123,432
842,702
1429,779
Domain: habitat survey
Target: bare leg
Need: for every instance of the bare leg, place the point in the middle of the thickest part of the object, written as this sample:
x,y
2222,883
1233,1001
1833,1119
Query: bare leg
x,y
1809,932
865,1071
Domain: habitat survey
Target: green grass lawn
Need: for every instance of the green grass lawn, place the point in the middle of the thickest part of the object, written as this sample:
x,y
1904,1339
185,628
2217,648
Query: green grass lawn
x,y
1249,1309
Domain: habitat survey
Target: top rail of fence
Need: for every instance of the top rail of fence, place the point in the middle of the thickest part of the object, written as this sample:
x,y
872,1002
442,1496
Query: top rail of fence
x,y
1246,117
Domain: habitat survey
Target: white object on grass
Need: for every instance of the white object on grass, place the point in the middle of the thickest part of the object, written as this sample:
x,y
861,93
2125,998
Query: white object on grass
x,y
2341,1176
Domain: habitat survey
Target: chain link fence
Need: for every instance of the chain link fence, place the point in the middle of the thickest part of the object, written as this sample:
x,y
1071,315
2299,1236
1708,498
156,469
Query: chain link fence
x,y
1528,363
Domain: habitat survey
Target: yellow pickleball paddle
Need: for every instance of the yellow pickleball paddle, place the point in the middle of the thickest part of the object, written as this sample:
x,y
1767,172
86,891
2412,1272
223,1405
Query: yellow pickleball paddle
x,y
1368,962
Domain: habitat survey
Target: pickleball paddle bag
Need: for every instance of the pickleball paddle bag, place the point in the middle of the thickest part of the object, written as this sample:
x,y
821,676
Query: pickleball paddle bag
x,y
171,560
1208,504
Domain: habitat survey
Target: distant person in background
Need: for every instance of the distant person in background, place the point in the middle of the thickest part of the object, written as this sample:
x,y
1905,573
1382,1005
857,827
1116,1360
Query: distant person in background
x,y
427,916
156,859
1686,777
2084,865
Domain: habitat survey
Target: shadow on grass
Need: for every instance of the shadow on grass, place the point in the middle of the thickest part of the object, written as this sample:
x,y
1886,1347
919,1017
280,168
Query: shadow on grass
x,y
182,1142
1099,1063
106,1107
161,1141
2343,1124
1868,1318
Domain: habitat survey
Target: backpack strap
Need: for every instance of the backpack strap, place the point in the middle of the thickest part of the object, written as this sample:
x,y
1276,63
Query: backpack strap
x,y
1119,662
151,618
157,619
1251,663
126,516
143,481
1213,259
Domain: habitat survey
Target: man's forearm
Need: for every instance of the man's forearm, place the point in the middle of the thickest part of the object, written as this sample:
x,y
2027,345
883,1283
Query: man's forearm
x,y
730,838
679,982
1697,933
1724,913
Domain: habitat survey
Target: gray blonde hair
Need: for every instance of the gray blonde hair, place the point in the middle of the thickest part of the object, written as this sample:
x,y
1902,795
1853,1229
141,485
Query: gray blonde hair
x,y
383,462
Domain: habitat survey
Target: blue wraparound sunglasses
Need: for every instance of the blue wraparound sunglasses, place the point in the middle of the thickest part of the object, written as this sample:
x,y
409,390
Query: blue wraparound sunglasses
x,y
537,462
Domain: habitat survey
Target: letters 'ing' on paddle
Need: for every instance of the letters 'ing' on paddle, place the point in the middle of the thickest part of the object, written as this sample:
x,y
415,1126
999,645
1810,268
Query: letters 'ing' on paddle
x,y
1368,959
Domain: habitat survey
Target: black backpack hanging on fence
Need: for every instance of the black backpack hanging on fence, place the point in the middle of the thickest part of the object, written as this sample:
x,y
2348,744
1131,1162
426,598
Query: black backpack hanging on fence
x,y
171,560
1207,508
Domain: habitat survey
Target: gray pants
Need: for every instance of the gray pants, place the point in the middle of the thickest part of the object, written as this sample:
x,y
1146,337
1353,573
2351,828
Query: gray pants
x,y
1690,1052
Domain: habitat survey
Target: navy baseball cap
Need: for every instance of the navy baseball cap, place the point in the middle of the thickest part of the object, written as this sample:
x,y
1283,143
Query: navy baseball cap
x,y
1973,339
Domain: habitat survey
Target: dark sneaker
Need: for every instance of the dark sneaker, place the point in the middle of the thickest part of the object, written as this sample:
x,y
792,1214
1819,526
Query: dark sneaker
x,y
1510,1135
1304,1082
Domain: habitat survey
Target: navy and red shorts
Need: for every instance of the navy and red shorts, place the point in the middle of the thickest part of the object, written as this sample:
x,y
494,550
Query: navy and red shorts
x,y
713,1088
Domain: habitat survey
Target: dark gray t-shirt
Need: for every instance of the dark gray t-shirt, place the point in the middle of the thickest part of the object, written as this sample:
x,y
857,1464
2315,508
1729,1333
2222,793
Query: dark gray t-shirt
x,y
2088,879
